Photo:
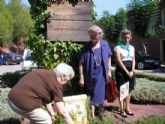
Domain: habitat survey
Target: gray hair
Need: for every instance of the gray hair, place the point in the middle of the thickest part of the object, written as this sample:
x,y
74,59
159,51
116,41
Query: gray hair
x,y
64,69
95,29
124,32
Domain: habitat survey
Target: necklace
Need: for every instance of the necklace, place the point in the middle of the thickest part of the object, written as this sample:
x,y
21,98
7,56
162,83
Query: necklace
x,y
98,64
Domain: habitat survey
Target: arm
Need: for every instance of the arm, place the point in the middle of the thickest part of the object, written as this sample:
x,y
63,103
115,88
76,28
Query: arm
x,y
109,67
81,81
120,63
133,63
63,111
50,110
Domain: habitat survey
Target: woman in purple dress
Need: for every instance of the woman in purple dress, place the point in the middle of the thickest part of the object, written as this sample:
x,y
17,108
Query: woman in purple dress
x,y
94,67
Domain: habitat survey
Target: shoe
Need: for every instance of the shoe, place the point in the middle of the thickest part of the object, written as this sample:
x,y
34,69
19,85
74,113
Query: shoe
x,y
123,114
129,113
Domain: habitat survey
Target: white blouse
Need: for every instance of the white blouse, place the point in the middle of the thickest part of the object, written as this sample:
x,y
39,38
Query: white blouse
x,y
124,53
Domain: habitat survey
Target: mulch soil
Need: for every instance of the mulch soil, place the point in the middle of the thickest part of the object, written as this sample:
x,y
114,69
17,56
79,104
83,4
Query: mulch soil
x,y
140,111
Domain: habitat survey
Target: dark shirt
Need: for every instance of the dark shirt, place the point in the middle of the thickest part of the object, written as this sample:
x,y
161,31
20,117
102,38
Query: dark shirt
x,y
35,89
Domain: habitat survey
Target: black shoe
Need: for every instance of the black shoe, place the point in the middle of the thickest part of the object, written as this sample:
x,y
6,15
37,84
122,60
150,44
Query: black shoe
x,y
123,114
129,113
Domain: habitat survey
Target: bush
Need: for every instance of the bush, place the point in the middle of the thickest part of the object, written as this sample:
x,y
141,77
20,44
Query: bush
x,y
151,120
10,121
10,79
151,77
147,91
6,111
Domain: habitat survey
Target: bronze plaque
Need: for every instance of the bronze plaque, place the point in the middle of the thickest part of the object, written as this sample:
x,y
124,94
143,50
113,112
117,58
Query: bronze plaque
x,y
70,22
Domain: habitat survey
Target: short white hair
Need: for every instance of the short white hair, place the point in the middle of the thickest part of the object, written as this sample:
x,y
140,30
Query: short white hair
x,y
95,29
64,69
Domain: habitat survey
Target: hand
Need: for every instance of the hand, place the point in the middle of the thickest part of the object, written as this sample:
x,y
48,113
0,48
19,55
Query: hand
x,y
109,74
81,82
131,74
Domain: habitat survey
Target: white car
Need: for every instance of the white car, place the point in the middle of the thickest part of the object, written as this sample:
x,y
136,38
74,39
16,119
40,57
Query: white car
x,y
27,60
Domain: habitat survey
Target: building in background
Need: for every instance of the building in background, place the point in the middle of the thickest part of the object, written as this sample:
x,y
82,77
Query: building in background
x,y
153,46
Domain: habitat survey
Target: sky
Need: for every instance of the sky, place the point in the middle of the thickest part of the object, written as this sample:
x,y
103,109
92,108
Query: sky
x,y
110,5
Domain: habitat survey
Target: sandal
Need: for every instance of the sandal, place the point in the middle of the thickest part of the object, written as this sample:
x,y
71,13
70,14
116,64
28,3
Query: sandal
x,y
129,113
123,114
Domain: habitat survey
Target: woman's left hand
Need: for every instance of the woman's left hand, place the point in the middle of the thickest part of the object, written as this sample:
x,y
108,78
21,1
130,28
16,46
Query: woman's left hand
x,y
131,73
109,74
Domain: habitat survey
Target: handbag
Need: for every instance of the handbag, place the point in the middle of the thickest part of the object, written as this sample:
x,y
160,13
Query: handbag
x,y
111,92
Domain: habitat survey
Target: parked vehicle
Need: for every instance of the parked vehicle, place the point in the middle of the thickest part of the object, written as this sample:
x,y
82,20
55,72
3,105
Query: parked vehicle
x,y
11,58
145,61
28,61
1,59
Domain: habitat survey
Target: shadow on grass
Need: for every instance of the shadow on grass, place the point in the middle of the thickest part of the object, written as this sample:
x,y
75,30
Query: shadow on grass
x,y
10,121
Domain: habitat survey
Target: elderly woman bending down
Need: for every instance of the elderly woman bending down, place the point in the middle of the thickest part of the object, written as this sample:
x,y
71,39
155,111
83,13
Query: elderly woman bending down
x,y
94,67
41,87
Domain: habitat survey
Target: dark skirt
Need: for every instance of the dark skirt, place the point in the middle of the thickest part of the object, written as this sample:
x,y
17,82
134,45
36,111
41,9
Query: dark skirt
x,y
122,77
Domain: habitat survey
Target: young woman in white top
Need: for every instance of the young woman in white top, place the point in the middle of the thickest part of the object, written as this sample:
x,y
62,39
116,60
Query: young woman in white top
x,y
125,69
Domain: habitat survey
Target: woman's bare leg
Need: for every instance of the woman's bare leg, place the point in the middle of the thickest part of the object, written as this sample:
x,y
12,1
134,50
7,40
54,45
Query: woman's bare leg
x,y
93,110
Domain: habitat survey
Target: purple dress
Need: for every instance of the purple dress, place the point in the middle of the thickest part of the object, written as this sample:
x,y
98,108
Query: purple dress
x,y
95,75
98,94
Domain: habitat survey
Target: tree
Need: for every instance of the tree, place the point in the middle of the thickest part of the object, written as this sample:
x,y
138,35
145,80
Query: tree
x,y
6,25
107,23
23,23
120,23
143,16
113,24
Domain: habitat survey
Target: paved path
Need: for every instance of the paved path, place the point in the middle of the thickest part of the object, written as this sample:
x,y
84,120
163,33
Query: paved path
x,y
10,68
140,112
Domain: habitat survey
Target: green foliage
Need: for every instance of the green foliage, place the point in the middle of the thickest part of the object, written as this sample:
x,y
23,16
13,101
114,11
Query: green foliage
x,y
23,24
10,121
113,24
41,22
143,17
103,120
4,93
48,54
43,52
6,25
151,77
147,91
151,120
120,22
59,120
10,79
107,23
6,112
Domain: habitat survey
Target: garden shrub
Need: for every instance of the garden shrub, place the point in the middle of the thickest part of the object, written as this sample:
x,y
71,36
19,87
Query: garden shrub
x,y
148,92
150,120
6,111
151,77
10,121
48,54
9,79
